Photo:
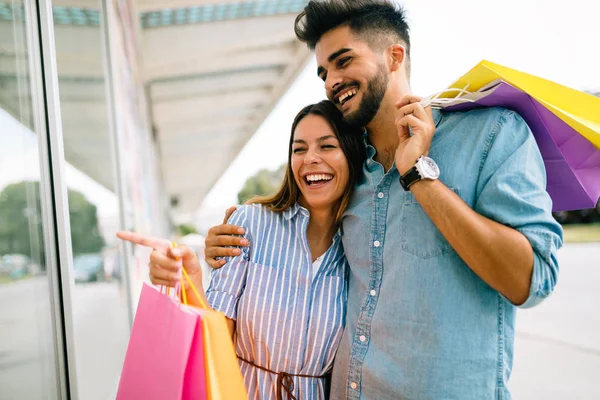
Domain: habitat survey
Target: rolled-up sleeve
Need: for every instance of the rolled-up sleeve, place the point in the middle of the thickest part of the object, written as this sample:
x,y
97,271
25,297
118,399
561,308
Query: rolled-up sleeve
x,y
228,282
512,191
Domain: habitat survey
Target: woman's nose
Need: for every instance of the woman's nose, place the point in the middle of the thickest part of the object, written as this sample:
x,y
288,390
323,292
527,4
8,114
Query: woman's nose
x,y
312,157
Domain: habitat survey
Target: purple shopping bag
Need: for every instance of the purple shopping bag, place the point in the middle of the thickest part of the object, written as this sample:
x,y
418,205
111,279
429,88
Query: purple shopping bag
x,y
165,356
572,162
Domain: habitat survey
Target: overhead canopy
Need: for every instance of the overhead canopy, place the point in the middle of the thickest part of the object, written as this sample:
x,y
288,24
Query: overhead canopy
x,y
213,70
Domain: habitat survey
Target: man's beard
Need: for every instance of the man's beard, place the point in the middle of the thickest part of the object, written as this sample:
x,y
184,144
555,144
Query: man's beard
x,y
369,106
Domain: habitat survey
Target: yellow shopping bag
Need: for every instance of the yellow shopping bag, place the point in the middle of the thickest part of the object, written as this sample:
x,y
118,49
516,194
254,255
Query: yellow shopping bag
x,y
223,377
579,110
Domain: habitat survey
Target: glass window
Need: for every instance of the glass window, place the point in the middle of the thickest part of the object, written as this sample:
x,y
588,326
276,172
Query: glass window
x,y
27,338
100,313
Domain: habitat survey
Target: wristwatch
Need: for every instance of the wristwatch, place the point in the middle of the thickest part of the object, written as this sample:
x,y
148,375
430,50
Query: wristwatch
x,y
425,168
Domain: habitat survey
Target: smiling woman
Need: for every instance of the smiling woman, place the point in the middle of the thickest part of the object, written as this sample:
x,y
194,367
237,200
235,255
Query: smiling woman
x,y
320,141
295,261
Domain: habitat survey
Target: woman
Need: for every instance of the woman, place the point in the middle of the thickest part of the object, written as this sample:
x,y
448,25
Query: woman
x,y
285,294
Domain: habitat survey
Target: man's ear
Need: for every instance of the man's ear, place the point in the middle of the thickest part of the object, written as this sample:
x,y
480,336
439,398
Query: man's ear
x,y
396,56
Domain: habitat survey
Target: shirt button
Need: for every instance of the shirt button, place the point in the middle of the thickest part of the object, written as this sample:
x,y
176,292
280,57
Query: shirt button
x,y
373,292
353,385
380,195
377,243
363,338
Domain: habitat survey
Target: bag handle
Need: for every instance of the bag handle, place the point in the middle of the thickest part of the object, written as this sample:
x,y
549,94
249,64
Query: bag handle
x,y
185,276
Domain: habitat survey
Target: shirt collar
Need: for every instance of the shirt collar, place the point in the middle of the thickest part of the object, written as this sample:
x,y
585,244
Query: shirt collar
x,y
294,210
297,208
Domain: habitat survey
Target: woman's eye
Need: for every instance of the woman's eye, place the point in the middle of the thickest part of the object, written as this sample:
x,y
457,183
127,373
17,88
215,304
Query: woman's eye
x,y
298,150
328,146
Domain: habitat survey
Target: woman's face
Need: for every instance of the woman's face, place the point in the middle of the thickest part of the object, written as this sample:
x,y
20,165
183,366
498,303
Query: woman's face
x,y
318,163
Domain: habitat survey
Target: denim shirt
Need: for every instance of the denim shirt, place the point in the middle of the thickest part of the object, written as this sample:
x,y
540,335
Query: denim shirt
x,y
420,324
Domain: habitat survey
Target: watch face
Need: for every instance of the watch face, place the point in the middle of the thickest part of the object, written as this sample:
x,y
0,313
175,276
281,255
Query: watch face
x,y
430,168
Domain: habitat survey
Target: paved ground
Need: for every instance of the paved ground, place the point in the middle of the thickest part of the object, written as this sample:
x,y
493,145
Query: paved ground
x,y
558,343
557,348
101,335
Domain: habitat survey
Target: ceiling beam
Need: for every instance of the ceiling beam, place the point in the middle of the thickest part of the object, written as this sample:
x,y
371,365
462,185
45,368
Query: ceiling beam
x,y
155,5
210,85
185,110
203,65
179,42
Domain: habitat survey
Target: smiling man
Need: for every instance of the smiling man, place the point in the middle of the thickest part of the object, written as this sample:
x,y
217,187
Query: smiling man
x,y
450,231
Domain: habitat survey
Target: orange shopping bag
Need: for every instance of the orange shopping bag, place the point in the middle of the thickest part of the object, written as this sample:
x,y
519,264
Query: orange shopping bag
x,y
222,371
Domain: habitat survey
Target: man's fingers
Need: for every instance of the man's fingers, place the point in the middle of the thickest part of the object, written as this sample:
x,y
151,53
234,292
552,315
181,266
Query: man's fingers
x,y
214,252
219,241
415,109
228,213
143,240
214,263
408,121
408,99
226,229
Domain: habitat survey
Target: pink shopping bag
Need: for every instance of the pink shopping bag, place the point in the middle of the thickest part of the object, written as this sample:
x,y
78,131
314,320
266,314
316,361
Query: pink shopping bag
x,y
165,356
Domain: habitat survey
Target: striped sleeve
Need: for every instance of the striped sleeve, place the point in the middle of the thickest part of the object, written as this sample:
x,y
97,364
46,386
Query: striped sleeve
x,y
228,282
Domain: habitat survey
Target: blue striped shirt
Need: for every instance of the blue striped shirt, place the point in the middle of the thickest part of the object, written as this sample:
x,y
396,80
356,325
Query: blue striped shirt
x,y
285,320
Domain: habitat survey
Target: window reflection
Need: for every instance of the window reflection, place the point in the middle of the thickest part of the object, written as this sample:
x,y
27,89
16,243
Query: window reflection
x,y
27,348
100,314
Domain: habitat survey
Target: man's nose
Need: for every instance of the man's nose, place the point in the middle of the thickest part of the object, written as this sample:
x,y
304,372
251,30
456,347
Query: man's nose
x,y
332,82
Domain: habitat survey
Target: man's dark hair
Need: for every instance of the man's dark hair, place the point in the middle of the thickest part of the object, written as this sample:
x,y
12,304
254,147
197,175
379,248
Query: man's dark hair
x,y
380,23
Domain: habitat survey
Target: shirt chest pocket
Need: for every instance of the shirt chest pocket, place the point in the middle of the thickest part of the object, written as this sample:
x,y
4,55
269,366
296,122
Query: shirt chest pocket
x,y
419,236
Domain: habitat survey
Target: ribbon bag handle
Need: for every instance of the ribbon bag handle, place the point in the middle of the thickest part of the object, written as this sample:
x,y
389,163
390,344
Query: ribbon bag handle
x,y
184,275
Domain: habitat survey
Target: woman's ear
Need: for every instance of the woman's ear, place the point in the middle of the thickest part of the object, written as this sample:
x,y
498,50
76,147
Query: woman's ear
x,y
396,56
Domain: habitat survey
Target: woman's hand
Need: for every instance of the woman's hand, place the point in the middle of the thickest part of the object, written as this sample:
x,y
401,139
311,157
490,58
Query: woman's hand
x,y
166,261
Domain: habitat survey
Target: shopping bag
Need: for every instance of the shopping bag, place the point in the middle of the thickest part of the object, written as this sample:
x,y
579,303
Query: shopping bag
x,y
165,355
579,110
572,162
223,377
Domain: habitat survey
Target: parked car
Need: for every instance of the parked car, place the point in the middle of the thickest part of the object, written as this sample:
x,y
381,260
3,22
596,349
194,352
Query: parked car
x,y
15,266
88,267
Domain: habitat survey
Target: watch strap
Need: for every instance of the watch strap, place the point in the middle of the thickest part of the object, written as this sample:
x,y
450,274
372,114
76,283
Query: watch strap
x,y
410,177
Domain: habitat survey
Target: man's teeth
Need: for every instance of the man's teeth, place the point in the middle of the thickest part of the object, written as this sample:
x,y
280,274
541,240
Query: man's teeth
x,y
344,96
318,177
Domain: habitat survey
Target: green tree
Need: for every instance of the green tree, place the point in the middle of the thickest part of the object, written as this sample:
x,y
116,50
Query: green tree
x,y
21,219
264,182
85,232
186,229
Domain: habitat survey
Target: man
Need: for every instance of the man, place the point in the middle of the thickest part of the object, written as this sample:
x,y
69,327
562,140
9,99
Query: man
x,y
441,257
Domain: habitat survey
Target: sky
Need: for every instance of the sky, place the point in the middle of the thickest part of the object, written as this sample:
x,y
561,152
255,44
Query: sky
x,y
555,40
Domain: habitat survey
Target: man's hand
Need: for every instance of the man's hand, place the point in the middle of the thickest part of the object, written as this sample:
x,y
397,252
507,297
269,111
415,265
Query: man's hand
x,y
411,114
221,236
165,261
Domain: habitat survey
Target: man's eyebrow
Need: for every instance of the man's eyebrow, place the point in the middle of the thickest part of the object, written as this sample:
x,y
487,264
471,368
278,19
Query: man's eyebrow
x,y
332,57
338,53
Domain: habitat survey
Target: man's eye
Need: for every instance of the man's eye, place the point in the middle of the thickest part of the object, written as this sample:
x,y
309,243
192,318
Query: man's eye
x,y
324,77
344,61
